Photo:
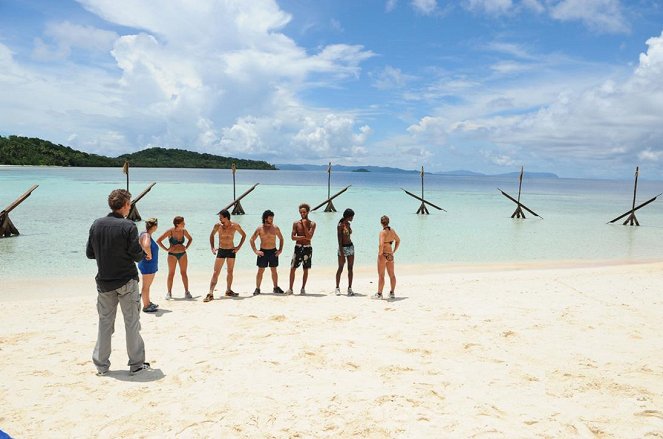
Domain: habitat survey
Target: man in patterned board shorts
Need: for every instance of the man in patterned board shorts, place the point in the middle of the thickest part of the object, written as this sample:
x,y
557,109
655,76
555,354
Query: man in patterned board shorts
x,y
302,233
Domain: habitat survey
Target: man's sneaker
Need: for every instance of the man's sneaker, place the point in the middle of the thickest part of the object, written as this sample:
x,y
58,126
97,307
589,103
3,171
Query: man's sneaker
x,y
102,374
338,291
256,291
350,292
169,296
209,297
150,308
278,290
231,293
289,292
188,295
144,367
302,292
377,296
392,295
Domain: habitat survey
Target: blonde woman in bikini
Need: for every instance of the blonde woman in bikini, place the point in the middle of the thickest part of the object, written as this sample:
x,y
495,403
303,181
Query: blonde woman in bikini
x,y
388,237
179,240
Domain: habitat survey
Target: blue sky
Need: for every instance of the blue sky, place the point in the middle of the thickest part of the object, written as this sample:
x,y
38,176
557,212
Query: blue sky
x,y
573,87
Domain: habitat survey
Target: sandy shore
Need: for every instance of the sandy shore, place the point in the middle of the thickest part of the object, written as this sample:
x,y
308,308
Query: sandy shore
x,y
562,352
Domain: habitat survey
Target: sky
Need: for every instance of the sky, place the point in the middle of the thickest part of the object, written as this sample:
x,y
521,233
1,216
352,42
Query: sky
x,y
573,87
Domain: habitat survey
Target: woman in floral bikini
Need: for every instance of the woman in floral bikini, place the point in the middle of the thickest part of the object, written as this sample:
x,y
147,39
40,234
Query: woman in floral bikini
x,y
346,249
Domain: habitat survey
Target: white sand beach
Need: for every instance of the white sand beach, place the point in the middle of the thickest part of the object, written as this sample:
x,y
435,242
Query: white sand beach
x,y
463,352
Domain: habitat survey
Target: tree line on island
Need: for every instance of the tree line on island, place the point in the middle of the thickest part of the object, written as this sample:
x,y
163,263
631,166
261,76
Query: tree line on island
x,y
17,150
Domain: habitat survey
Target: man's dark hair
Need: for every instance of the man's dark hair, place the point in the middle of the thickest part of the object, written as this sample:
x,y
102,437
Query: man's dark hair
x,y
305,206
118,198
266,214
224,213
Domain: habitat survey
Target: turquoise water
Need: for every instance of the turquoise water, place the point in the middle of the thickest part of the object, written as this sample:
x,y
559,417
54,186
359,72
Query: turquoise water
x,y
476,228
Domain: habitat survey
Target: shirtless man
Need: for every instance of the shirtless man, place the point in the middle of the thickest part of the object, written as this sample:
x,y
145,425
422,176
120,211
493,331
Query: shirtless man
x,y
302,233
268,255
225,229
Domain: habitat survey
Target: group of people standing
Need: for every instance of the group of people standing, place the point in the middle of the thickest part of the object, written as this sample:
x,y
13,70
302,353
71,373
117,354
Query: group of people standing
x,y
114,243
222,245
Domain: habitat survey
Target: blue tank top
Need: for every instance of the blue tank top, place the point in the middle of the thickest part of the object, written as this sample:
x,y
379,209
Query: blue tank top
x,y
151,266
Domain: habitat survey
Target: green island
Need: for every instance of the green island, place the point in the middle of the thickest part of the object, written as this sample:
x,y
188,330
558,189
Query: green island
x,y
17,150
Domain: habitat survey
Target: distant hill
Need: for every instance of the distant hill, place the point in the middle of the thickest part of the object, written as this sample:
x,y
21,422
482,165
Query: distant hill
x,y
463,173
458,173
180,158
16,150
291,167
529,175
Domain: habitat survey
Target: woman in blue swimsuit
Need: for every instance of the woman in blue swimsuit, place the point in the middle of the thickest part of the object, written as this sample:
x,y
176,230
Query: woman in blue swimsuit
x,y
177,236
150,263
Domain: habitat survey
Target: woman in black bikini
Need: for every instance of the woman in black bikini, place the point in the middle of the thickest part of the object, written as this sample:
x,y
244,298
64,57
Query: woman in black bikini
x,y
177,254
346,250
386,257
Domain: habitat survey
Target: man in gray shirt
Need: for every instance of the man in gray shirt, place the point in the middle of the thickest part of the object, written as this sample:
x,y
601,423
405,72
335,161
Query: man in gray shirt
x,y
113,242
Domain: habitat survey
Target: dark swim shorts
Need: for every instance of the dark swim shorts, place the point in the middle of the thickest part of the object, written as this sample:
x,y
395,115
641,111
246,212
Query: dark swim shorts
x,y
225,253
269,258
303,254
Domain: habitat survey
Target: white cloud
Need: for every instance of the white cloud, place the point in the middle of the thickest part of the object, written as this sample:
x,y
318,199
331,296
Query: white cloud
x,y
615,121
390,5
390,78
599,15
210,75
533,5
648,155
431,130
66,36
488,6
425,7
602,16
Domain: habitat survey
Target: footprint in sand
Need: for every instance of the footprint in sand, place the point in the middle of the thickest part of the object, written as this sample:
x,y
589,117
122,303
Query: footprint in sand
x,y
651,413
278,318
343,317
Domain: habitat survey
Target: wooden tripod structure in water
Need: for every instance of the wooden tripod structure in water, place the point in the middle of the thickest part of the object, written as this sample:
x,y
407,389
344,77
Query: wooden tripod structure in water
x,y
631,220
518,213
133,212
7,228
236,202
423,210
330,205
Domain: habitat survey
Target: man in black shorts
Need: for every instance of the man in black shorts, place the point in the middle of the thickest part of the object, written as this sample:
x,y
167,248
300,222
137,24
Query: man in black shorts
x,y
225,229
268,255
302,233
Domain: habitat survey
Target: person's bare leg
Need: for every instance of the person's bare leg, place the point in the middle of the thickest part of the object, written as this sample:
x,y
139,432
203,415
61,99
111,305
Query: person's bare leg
x,y
218,265
145,288
172,263
341,263
304,278
275,277
381,267
184,263
392,275
351,262
261,270
229,276
292,277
